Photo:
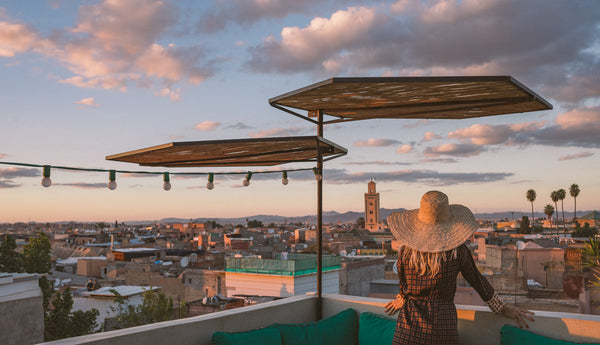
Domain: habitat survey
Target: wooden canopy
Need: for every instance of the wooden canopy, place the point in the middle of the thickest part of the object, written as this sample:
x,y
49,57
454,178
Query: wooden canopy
x,y
235,152
351,99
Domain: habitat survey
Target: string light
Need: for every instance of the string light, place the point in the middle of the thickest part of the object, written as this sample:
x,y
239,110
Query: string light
x,y
318,176
246,182
167,180
284,180
210,185
112,184
46,181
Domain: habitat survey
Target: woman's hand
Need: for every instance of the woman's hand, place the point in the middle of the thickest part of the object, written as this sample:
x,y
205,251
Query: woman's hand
x,y
518,314
393,306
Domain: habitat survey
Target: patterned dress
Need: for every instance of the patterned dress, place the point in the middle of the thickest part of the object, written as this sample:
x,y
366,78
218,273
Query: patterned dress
x,y
429,315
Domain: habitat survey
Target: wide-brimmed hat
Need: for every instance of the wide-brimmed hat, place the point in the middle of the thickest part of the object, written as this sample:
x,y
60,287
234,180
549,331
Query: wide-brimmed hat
x,y
435,227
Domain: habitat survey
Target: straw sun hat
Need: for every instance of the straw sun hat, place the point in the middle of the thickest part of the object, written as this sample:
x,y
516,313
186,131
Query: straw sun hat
x,y
435,227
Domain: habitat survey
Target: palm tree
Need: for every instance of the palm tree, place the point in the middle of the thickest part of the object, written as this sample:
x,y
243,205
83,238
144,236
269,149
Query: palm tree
x,y
574,190
562,194
554,197
549,211
531,197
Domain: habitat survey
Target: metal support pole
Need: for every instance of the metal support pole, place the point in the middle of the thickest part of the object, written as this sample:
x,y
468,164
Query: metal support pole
x,y
320,221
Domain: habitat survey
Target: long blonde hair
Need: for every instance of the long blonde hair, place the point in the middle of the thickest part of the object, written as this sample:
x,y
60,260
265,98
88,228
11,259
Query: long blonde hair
x,y
426,263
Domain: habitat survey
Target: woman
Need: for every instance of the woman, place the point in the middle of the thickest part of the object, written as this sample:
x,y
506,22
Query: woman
x,y
432,254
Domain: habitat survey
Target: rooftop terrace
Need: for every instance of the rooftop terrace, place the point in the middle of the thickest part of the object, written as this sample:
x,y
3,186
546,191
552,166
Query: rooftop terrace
x,y
476,325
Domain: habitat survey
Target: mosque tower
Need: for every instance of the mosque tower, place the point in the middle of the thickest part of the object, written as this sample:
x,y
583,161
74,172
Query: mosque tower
x,y
372,208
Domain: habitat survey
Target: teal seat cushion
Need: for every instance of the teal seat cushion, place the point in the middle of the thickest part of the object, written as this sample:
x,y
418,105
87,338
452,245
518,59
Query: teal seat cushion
x,y
263,336
374,329
339,329
511,335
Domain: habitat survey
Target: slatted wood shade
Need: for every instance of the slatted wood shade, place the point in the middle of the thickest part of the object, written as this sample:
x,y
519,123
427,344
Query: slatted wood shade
x,y
235,152
351,99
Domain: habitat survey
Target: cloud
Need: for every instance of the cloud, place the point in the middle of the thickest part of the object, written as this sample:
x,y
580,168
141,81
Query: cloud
x,y
87,103
207,126
377,163
246,12
276,132
579,127
451,149
429,136
82,185
238,125
10,173
438,160
114,44
320,43
449,38
376,143
575,128
405,149
6,184
576,156
429,177
3,155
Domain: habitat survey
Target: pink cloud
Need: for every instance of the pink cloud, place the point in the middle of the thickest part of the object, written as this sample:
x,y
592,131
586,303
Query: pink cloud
x,y
87,102
451,149
576,156
405,149
376,143
207,126
429,136
316,43
115,43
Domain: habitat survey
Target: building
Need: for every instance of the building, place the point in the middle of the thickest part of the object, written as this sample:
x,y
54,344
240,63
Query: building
x,y
372,209
289,275
21,311
104,298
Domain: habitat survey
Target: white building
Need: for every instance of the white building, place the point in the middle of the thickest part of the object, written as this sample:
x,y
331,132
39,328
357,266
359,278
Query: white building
x,y
103,299
281,278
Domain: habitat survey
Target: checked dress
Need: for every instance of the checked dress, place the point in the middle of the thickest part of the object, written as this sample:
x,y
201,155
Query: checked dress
x,y
428,315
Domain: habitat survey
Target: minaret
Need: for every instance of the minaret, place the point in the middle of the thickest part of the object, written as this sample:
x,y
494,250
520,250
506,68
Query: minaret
x,y
372,208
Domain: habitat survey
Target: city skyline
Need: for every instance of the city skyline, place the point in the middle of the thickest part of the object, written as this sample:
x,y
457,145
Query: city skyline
x,y
81,82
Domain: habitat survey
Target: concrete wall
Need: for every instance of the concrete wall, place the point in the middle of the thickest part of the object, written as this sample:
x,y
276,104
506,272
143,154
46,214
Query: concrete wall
x,y
21,311
545,265
91,267
24,315
171,286
500,258
356,276
476,325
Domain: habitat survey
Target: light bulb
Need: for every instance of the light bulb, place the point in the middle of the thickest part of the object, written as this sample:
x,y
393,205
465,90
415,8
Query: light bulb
x,y
46,182
167,186
210,185
246,182
284,181
318,177
112,185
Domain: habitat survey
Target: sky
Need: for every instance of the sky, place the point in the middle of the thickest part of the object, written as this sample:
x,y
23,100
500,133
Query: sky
x,y
81,80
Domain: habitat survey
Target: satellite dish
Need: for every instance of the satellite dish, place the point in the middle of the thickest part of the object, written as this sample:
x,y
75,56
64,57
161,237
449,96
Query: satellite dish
x,y
343,253
193,257
184,262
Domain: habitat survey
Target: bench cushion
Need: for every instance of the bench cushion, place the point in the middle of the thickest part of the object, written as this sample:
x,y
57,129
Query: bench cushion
x,y
375,329
263,336
511,335
339,329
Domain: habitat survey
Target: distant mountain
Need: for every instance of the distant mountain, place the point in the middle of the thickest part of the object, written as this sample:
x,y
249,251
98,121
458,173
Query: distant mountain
x,y
347,217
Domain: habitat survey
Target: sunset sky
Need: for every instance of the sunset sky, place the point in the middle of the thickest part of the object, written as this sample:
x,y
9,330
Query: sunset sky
x,y
80,80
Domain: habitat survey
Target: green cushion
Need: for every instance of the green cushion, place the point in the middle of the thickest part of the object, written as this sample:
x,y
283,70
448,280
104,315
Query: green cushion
x,y
374,329
339,329
263,336
511,335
